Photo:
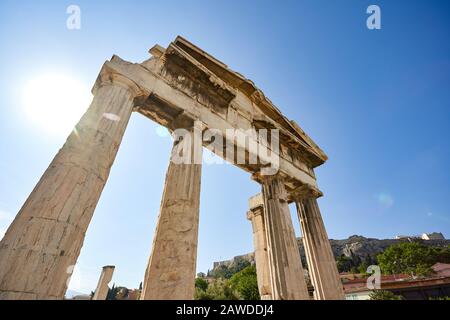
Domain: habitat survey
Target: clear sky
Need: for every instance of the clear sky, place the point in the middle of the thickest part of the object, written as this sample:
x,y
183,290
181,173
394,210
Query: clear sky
x,y
376,101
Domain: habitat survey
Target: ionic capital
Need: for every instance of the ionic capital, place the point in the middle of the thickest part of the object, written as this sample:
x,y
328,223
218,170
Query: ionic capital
x,y
256,205
107,76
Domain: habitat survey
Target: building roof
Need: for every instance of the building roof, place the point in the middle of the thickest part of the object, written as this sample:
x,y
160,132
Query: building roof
x,y
441,269
398,281
433,236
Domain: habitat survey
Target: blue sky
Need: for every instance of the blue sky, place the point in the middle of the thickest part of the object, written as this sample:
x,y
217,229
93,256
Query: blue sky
x,y
377,102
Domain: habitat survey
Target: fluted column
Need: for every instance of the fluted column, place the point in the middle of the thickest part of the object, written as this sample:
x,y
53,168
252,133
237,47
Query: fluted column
x,y
256,216
170,273
41,246
101,292
287,277
322,265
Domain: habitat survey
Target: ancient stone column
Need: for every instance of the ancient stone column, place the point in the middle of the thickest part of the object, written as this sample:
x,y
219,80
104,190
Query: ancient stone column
x,y
256,216
287,277
322,265
41,246
170,273
101,292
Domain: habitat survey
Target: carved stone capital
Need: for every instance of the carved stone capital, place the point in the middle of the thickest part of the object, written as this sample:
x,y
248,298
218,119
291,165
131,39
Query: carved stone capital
x,y
252,214
256,205
274,187
305,192
257,176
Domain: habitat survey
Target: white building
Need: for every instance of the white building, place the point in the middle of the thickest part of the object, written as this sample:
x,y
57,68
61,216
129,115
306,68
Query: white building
x,y
433,236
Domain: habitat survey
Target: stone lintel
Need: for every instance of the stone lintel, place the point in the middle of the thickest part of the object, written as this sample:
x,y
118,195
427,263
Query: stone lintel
x,y
108,75
256,201
154,85
305,192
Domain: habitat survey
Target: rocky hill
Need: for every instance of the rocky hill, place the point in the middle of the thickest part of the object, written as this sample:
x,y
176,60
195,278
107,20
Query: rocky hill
x,y
355,246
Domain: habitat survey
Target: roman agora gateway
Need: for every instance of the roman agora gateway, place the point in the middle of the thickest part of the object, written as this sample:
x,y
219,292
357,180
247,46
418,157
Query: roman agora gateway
x,y
180,87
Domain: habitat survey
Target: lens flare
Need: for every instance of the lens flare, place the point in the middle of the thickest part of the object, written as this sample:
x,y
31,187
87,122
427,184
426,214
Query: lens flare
x,y
55,102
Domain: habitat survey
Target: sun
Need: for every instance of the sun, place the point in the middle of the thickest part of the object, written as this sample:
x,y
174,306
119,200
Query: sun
x,y
55,102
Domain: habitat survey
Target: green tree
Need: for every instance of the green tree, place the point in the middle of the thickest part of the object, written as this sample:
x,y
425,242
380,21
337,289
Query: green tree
x,y
201,284
410,257
245,284
354,270
238,265
344,263
201,295
217,290
356,260
441,254
384,295
440,298
112,292
362,269
369,260
221,271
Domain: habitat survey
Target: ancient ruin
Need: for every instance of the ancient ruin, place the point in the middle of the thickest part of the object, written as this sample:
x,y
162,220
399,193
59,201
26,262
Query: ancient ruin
x,y
101,292
179,87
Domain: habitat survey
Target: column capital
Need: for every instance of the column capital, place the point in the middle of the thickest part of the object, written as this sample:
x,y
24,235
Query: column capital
x,y
108,76
305,191
252,214
275,187
257,176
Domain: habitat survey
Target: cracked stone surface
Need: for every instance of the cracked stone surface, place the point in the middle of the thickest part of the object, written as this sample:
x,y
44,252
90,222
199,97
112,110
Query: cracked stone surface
x,y
171,268
46,237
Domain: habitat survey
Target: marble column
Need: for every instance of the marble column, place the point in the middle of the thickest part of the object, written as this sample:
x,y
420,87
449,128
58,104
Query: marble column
x,y
101,292
170,273
41,246
256,216
287,277
321,262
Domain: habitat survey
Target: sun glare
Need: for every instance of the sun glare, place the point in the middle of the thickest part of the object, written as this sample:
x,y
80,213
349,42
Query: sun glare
x,y
55,102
